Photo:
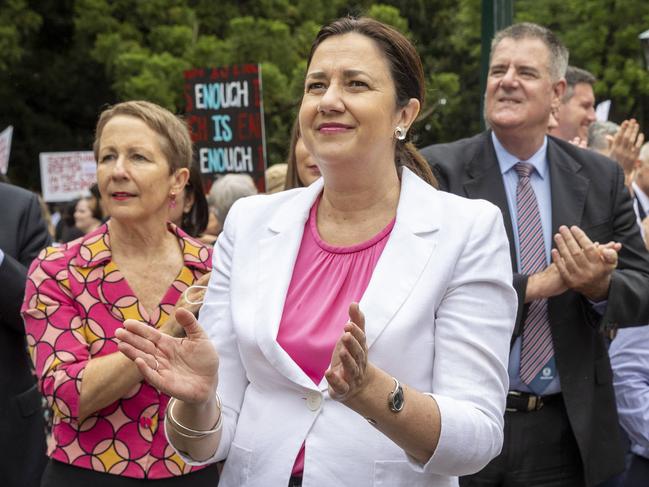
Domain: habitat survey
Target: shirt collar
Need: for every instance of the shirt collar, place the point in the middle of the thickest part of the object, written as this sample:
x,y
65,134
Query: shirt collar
x,y
642,197
507,161
94,249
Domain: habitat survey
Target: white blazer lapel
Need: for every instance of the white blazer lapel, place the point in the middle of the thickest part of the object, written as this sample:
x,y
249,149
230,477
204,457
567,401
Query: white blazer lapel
x,y
276,255
408,250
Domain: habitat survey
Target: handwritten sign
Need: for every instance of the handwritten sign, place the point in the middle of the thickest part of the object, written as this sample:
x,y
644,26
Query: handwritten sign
x,y
5,148
67,175
225,113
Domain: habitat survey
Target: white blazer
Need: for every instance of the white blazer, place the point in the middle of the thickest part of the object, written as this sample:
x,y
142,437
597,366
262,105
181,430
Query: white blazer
x,y
439,312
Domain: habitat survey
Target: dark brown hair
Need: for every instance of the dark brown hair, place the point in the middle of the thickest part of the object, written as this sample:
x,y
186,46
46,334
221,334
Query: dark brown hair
x,y
575,76
407,74
292,176
194,221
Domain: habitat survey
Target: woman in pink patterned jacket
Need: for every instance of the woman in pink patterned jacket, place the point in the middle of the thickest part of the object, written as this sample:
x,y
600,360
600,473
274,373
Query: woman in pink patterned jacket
x,y
108,422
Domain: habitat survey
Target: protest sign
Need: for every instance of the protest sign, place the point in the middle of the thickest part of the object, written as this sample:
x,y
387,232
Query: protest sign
x,y
67,175
602,110
225,114
5,148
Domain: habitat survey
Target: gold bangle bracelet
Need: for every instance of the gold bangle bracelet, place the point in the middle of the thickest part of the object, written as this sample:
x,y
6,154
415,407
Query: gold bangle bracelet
x,y
186,432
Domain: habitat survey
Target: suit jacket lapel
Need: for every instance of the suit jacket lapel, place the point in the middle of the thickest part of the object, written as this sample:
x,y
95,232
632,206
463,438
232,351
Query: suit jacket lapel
x,y
410,247
276,257
404,257
483,180
569,189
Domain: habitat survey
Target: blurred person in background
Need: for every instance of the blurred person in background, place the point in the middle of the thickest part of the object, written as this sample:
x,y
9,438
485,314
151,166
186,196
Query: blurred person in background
x,y
23,233
189,210
47,216
108,421
622,143
302,169
225,191
87,216
577,108
630,361
66,230
600,136
640,188
97,204
276,178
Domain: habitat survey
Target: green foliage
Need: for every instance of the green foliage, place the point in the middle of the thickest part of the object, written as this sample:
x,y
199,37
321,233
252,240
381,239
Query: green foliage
x,y
389,15
62,62
17,22
603,38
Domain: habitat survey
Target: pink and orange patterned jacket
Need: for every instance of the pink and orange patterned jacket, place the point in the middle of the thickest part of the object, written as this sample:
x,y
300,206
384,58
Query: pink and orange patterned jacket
x,y
75,299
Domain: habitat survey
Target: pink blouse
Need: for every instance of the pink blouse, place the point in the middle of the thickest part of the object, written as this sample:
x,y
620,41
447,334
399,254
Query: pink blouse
x,y
326,279
76,297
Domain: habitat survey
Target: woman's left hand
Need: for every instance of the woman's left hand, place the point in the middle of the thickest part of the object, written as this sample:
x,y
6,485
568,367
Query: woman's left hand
x,y
348,373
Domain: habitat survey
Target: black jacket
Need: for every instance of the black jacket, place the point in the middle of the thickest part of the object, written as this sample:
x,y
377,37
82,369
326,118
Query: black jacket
x,y
23,234
588,191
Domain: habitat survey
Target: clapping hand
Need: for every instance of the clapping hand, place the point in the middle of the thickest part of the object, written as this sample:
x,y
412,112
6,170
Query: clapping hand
x,y
185,368
348,373
585,266
625,147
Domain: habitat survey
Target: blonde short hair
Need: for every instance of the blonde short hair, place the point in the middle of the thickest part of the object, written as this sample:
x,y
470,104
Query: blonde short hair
x,y
176,143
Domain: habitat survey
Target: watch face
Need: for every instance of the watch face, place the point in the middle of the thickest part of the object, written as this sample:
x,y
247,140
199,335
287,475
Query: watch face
x,y
397,400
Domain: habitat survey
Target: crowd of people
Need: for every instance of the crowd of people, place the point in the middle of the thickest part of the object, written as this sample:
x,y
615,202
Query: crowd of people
x,y
469,314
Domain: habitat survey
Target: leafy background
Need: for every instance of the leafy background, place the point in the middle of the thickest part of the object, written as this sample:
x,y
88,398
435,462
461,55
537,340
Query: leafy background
x,y
62,62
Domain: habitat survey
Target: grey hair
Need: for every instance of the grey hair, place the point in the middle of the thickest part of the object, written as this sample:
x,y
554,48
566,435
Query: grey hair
x,y
526,30
597,135
228,189
575,76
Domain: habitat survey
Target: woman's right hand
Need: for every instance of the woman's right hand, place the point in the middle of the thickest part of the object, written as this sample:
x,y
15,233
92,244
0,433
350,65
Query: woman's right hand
x,y
185,368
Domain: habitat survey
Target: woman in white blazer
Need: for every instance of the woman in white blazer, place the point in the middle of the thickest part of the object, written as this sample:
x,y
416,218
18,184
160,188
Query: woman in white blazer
x,y
414,392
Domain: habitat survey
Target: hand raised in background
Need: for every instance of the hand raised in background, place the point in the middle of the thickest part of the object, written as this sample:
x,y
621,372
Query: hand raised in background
x,y
625,148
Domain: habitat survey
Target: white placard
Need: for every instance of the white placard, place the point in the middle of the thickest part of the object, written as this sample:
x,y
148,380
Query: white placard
x,y
67,175
601,111
5,148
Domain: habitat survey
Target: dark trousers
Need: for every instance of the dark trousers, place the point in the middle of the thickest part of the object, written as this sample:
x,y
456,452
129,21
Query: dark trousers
x,y
539,450
59,474
638,473
22,438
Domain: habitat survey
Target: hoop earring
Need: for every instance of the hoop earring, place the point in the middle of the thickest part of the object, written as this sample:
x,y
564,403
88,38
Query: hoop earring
x,y
400,133
172,200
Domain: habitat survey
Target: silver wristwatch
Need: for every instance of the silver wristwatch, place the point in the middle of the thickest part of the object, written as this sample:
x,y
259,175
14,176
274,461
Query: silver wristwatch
x,y
396,399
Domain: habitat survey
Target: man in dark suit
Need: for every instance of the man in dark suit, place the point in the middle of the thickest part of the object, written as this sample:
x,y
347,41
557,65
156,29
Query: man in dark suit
x,y
561,425
23,234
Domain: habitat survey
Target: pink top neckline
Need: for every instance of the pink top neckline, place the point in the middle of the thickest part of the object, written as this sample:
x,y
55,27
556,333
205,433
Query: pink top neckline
x,y
346,249
326,279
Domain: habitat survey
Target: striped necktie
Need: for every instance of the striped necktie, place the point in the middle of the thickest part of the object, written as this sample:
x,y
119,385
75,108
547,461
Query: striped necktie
x,y
641,212
537,366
